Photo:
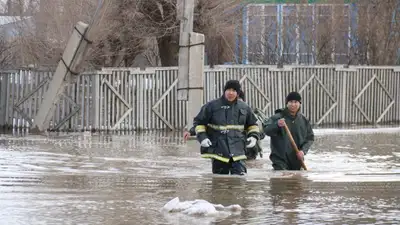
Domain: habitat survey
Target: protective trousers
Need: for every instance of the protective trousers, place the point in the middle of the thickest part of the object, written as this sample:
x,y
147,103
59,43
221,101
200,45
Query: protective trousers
x,y
232,167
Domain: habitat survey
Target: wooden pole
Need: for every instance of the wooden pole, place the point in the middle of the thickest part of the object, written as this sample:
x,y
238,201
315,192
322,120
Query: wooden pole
x,y
294,146
191,62
185,9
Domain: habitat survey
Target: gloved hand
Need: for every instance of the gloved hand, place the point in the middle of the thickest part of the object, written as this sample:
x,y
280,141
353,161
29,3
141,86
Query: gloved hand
x,y
206,143
253,142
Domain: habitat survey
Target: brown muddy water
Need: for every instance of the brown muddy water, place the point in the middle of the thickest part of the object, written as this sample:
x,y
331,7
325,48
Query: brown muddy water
x,y
353,178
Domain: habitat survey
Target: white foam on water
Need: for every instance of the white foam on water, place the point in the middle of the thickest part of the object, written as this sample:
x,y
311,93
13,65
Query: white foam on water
x,y
368,176
287,174
198,211
377,157
344,147
361,178
357,131
375,173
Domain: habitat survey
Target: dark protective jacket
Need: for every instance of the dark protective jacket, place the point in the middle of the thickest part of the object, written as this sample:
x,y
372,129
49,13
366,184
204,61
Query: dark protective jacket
x,y
281,148
192,131
252,153
227,125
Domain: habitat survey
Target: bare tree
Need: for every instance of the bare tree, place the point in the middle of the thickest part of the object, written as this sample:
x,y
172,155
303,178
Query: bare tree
x,y
133,27
217,20
128,28
379,32
326,34
7,53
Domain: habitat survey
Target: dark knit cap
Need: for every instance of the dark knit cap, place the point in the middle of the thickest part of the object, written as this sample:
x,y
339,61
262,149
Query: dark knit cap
x,y
234,84
293,96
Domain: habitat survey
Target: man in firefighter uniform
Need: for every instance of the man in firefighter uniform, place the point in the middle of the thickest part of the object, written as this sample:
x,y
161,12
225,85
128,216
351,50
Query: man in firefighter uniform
x,y
223,127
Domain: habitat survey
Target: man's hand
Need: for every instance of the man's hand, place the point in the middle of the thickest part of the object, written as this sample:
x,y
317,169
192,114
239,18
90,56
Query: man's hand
x,y
281,123
253,142
206,143
300,155
186,135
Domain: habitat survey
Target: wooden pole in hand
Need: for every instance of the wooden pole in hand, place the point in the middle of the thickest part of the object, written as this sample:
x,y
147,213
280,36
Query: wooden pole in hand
x,y
294,146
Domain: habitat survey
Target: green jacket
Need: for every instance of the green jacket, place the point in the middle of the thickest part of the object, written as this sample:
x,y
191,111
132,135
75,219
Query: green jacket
x,y
281,148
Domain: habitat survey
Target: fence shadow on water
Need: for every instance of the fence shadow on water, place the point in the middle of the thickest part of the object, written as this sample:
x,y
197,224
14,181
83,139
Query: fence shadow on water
x,y
132,139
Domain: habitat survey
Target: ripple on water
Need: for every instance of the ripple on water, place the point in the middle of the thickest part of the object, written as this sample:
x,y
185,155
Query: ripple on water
x,y
354,178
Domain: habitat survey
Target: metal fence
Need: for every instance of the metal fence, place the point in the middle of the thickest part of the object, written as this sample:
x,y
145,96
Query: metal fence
x,y
132,99
295,32
309,34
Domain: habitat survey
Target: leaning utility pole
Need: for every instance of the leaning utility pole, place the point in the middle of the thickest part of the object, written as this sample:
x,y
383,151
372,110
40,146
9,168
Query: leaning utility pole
x,y
191,62
66,71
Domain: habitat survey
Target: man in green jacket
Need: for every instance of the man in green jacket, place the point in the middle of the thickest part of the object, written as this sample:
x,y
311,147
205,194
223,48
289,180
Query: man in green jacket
x,y
283,156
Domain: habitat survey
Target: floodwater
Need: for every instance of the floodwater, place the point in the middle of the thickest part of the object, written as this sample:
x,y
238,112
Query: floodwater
x,y
353,178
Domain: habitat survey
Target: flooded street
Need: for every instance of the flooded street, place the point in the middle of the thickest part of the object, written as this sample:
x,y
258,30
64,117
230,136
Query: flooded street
x,y
353,178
